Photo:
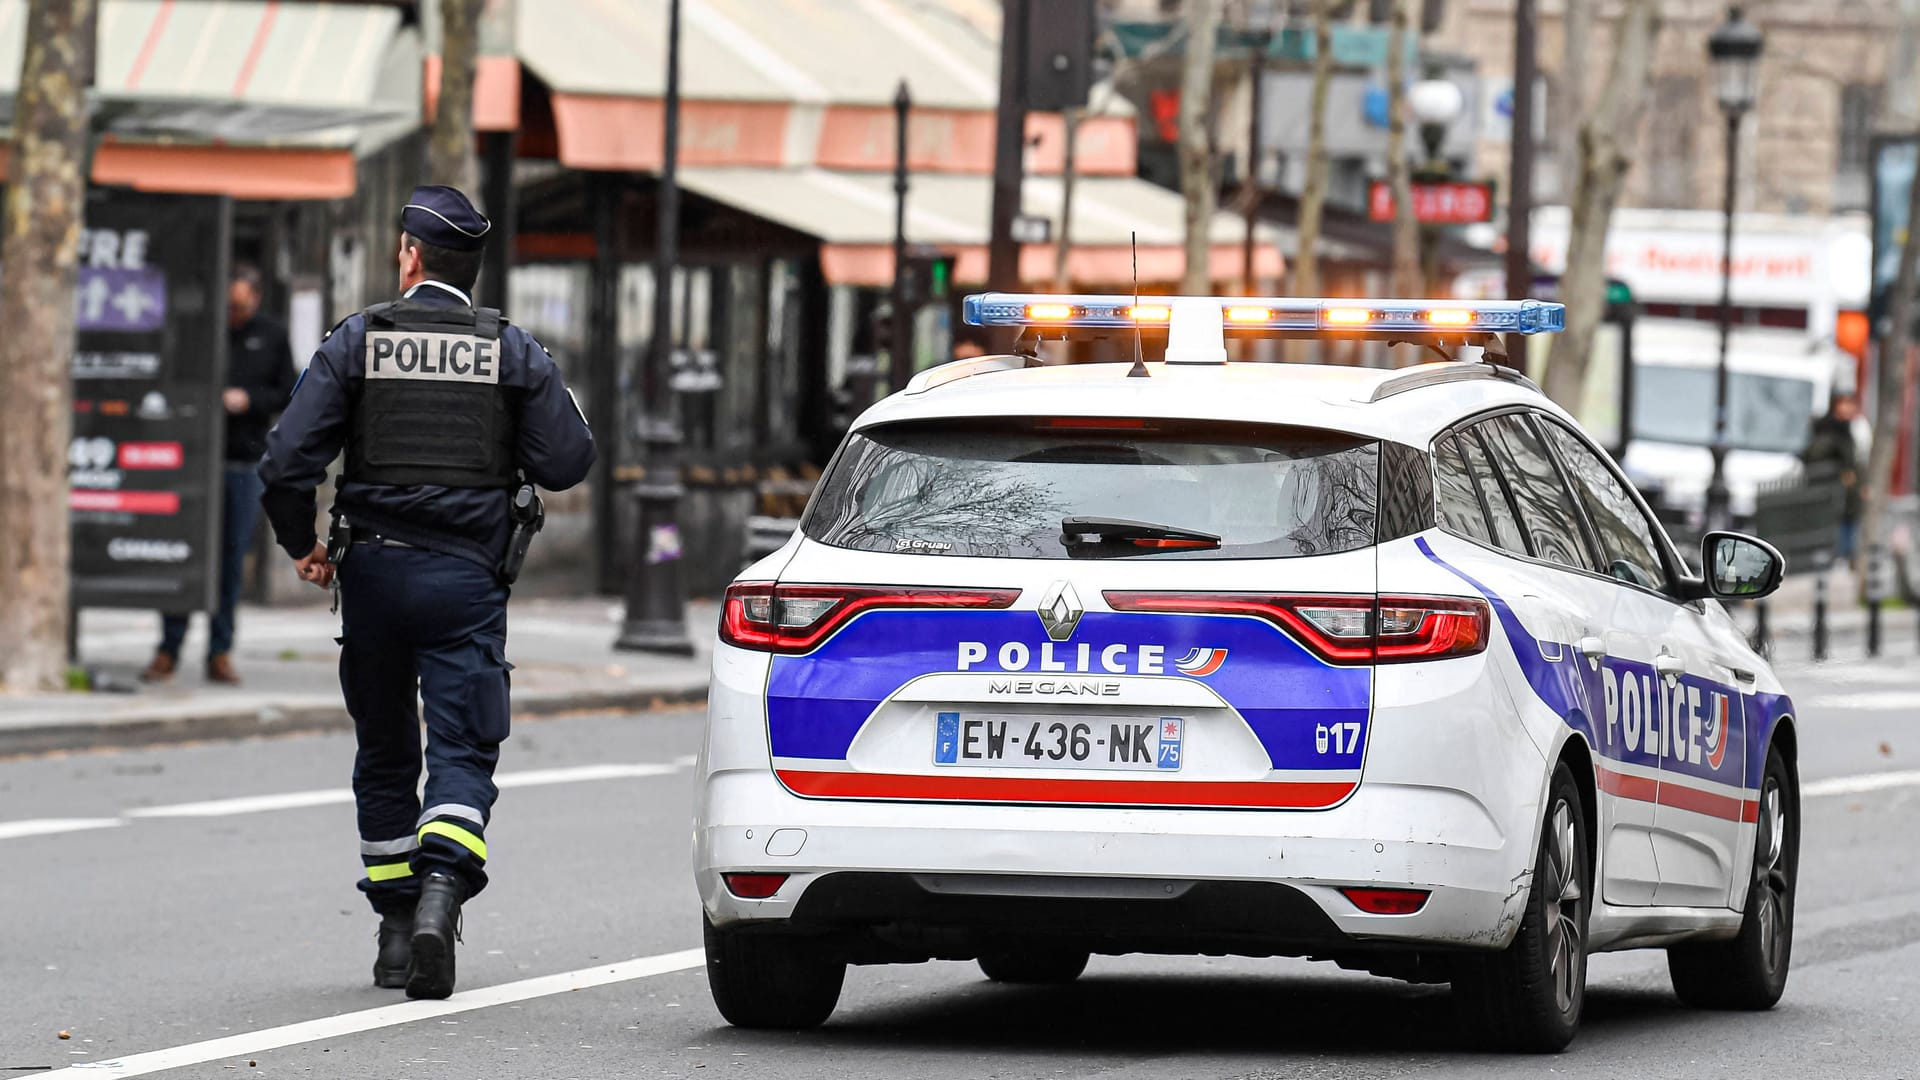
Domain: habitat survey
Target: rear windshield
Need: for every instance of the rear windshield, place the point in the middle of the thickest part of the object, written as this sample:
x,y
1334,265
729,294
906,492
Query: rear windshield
x,y
1001,489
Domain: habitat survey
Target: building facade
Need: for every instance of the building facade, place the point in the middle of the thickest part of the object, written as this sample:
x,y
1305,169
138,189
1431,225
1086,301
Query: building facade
x,y
1805,146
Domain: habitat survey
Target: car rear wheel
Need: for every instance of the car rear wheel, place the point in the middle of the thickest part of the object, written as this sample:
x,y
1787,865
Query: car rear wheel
x,y
1034,965
1750,970
772,980
1528,996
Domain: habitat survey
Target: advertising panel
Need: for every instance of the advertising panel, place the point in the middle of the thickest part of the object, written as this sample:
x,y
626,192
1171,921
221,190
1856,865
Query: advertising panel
x,y
150,358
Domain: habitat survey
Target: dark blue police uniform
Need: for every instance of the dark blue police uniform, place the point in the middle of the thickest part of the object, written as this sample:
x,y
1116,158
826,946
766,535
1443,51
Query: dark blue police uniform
x,y
440,408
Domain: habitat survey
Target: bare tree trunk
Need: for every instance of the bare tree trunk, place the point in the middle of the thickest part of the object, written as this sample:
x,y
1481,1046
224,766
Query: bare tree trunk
x,y
1196,144
450,156
1604,137
1406,280
1577,26
1313,196
46,202
1062,280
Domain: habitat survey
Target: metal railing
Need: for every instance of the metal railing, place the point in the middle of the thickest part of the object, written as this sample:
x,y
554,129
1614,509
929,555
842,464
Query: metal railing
x,y
1800,515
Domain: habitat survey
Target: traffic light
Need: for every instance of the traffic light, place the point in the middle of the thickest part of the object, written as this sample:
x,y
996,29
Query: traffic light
x,y
1060,37
927,277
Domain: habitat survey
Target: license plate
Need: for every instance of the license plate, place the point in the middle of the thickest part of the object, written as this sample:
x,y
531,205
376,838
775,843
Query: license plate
x,y
1025,742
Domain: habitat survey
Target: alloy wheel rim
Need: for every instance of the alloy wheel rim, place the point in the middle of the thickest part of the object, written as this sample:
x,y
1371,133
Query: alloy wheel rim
x,y
1770,875
1564,895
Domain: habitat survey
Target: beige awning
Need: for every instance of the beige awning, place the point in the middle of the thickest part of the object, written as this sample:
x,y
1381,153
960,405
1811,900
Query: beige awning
x,y
193,94
807,52
852,214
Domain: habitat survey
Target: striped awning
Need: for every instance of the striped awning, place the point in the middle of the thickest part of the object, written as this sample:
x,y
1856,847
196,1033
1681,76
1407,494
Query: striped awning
x,y
1114,219
256,74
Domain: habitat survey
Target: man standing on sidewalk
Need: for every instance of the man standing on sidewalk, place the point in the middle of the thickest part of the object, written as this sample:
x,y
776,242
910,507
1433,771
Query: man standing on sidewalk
x,y
260,379
447,414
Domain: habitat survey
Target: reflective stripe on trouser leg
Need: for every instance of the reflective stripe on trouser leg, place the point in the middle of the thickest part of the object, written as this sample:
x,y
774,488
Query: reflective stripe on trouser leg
x,y
387,862
459,834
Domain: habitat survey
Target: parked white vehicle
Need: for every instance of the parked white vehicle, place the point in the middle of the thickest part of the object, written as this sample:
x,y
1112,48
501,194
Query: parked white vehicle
x,y
1385,667
1778,382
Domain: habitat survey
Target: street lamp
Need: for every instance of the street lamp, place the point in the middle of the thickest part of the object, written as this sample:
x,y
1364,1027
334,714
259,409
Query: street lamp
x,y
1735,51
656,617
1436,104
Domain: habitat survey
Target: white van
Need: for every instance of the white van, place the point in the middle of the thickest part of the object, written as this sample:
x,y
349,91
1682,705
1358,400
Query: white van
x,y
1778,382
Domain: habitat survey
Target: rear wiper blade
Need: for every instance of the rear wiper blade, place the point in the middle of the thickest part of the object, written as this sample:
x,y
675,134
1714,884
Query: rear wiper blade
x,y
1088,532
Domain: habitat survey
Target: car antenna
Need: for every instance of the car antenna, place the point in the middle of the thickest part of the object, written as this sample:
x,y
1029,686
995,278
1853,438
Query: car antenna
x,y
1139,369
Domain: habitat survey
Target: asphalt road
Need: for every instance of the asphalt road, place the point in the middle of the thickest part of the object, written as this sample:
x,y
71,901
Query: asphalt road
x,y
190,911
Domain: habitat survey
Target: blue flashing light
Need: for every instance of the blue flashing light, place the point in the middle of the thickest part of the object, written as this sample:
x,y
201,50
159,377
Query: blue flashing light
x,y
1329,315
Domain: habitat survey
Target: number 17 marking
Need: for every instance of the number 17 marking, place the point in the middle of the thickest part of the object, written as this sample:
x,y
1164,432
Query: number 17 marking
x,y
1343,738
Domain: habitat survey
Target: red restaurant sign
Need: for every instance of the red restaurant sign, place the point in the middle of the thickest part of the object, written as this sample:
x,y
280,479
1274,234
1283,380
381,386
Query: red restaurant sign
x,y
1436,202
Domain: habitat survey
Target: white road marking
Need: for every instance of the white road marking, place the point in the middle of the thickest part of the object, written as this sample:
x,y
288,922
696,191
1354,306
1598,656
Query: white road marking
x,y
251,804
294,800
579,773
331,1027
10,830
1876,700
1857,785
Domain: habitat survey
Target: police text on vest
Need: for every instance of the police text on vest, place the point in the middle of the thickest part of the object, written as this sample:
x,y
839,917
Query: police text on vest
x,y
395,354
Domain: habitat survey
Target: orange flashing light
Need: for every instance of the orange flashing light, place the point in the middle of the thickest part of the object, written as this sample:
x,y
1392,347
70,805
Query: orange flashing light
x,y
1049,311
1347,316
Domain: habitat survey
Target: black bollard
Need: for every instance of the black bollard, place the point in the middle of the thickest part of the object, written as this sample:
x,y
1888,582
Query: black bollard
x,y
1762,634
1873,628
1820,617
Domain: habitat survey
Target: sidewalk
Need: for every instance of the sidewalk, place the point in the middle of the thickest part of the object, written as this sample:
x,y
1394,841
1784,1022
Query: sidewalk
x,y
1790,618
562,652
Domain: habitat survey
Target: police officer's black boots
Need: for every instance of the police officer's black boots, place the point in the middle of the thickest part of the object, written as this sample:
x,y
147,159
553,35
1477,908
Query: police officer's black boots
x,y
436,927
391,967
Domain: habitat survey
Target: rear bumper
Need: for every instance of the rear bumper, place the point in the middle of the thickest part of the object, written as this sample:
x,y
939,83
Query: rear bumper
x,y
941,880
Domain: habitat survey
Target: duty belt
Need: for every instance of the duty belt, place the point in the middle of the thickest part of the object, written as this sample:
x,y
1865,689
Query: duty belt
x,y
368,536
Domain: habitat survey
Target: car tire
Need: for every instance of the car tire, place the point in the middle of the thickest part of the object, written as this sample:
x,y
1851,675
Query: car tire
x,y
770,980
1034,966
1528,996
1749,971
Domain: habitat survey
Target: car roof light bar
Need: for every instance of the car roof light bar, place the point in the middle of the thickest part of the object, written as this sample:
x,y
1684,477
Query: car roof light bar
x,y
1271,314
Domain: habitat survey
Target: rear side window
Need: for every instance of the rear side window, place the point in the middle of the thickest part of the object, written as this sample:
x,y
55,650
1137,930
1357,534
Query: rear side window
x,y
1001,488
1493,494
1546,508
1625,534
1459,507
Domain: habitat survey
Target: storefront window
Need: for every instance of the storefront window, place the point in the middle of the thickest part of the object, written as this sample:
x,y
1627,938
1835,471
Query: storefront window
x,y
551,302
781,397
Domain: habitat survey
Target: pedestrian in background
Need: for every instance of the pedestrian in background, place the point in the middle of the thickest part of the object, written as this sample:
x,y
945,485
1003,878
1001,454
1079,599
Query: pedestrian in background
x,y
1833,457
260,379
446,413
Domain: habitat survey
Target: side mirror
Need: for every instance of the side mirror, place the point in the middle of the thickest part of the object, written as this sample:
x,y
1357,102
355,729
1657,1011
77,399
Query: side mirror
x,y
1740,567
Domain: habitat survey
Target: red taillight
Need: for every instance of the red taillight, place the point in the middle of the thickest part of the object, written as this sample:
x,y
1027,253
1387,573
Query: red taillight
x,y
1428,627
754,886
766,617
1343,629
1387,901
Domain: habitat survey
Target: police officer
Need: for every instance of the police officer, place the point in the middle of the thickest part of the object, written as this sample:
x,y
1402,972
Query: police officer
x,y
443,409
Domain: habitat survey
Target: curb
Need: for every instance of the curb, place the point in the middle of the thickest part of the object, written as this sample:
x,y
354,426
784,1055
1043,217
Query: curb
x,y
259,722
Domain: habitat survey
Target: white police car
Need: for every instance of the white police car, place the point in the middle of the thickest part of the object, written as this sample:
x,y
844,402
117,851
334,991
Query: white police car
x,y
1384,667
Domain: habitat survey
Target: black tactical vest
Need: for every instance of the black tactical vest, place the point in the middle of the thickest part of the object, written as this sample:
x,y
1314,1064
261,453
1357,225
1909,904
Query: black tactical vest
x,y
431,408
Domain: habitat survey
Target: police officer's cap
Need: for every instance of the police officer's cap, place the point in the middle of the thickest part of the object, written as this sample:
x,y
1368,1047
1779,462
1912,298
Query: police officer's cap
x,y
443,217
